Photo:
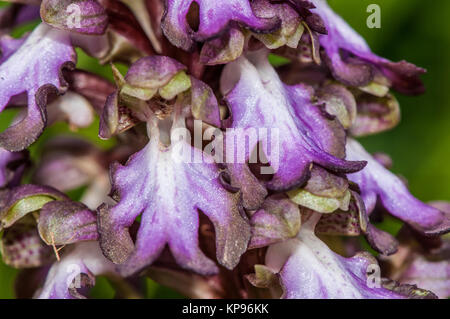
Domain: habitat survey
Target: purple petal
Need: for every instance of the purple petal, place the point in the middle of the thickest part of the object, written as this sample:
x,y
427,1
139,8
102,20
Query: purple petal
x,y
430,275
153,72
25,199
169,192
35,68
375,181
305,135
204,104
76,271
66,164
28,13
291,28
361,70
66,222
309,269
214,19
375,114
276,221
70,163
339,102
224,49
85,16
422,261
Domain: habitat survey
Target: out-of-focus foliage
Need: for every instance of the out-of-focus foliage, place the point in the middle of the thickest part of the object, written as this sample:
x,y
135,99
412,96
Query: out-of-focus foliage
x,y
419,146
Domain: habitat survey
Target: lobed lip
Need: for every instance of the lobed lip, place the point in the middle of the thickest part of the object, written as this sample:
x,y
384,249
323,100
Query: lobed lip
x,y
167,201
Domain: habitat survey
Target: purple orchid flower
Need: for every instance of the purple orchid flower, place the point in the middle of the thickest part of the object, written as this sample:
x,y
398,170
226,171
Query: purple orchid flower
x,y
307,268
223,176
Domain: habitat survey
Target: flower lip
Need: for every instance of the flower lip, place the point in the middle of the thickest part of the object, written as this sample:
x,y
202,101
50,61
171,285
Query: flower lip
x,y
164,186
351,61
377,182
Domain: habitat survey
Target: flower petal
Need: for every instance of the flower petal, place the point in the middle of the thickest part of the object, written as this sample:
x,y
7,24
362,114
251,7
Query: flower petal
x,y
66,222
431,275
91,86
169,193
16,14
9,45
85,16
291,28
421,260
76,271
214,19
375,181
342,41
35,68
25,199
375,114
276,221
224,49
354,222
73,108
307,268
21,246
260,100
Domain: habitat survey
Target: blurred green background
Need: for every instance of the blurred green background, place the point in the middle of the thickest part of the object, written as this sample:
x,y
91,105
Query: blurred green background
x,y
413,30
